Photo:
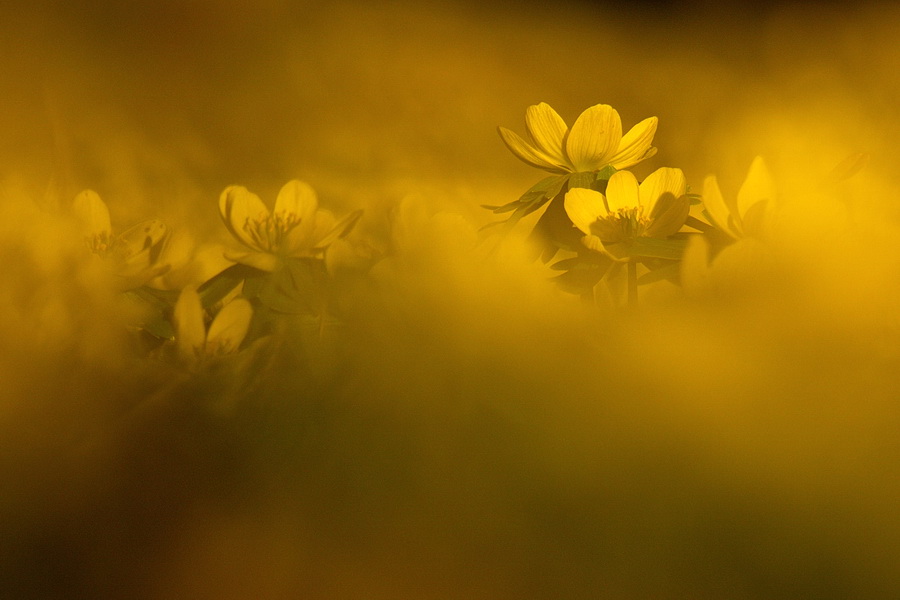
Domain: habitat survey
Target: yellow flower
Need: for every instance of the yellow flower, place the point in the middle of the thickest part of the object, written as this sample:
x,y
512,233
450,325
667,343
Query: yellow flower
x,y
226,332
295,228
749,216
655,208
134,254
593,142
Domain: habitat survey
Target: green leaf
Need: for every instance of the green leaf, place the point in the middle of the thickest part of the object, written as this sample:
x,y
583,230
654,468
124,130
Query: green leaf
x,y
298,286
534,198
671,249
670,271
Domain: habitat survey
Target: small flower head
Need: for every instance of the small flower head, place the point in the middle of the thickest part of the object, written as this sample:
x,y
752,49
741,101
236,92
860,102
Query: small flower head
x,y
226,332
134,254
295,228
748,215
657,208
594,141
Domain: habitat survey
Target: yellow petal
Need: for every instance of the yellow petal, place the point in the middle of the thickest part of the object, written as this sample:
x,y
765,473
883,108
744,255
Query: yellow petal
x,y
230,326
237,206
718,210
636,144
584,207
758,186
527,153
661,181
92,213
594,138
298,200
668,215
622,191
190,332
547,129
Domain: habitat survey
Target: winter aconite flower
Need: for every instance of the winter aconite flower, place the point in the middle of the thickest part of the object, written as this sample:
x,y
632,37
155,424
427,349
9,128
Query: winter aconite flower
x,y
655,208
594,141
134,254
295,228
748,215
226,332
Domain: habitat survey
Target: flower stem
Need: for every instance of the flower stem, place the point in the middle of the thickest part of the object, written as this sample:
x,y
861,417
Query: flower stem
x,y
632,283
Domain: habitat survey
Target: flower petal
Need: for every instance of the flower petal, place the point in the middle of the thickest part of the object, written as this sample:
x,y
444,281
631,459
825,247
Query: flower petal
x,y
230,326
190,332
668,215
661,181
527,153
297,200
584,207
92,213
548,130
236,206
636,144
718,211
758,186
264,261
594,138
622,191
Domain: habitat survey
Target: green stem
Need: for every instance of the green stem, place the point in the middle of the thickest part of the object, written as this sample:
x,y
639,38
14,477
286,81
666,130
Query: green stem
x,y
632,283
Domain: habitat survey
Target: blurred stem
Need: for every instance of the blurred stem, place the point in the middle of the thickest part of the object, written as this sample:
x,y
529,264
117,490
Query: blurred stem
x,y
632,283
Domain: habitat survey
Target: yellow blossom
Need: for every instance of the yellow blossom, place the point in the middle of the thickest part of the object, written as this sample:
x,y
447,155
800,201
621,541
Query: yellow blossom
x,y
594,141
295,228
749,215
655,208
226,332
133,254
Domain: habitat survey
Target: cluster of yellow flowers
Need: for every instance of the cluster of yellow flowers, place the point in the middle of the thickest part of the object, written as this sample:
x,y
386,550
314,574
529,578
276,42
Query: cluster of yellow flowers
x,y
656,224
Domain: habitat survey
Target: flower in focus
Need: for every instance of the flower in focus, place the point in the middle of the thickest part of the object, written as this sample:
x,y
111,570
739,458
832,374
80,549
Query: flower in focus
x,y
593,142
748,216
655,208
226,332
134,254
295,228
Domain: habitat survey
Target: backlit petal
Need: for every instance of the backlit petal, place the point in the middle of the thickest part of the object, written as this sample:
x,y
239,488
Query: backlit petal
x,y
758,186
527,153
668,215
622,191
716,208
236,206
547,129
230,326
584,207
661,181
594,138
298,200
636,145
92,213
190,331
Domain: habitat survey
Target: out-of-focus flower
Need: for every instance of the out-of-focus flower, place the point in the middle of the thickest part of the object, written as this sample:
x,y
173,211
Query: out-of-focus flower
x,y
226,332
134,254
593,142
655,208
295,228
749,215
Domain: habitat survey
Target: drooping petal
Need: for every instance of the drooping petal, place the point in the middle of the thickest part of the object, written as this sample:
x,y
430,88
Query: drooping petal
x,y
758,186
237,206
716,207
584,207
661,181
594,138
230,326
527,153
190,331
622,191
92,213
547,129
668,215
636,145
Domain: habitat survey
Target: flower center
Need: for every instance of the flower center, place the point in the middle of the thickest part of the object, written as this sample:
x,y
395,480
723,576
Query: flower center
x,y
99,243
269,231
623,225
